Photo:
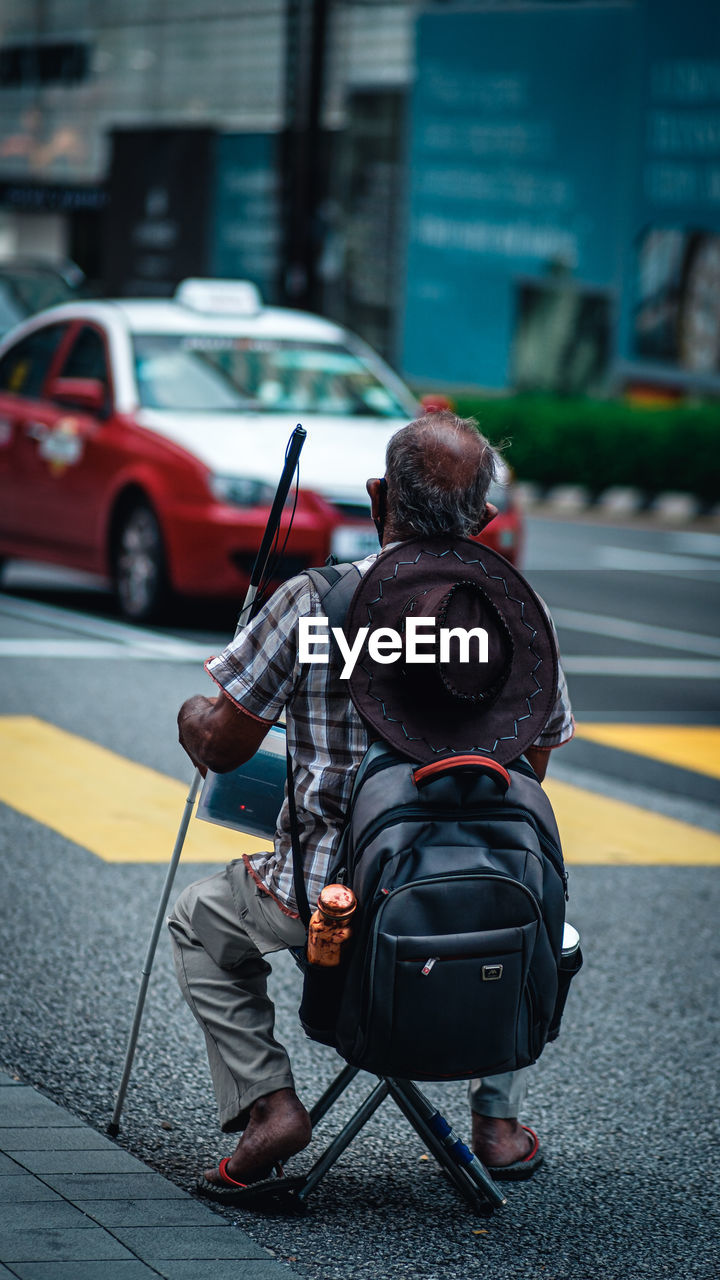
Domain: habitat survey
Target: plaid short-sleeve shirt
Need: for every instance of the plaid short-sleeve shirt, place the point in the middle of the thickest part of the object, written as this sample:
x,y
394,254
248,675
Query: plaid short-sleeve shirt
x,y
260,671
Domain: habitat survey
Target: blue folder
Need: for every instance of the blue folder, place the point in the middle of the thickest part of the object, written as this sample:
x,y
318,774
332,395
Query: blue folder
x,y
249,799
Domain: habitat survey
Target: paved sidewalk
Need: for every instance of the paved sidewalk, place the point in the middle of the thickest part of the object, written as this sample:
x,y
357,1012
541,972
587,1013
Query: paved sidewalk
x,y
74,1206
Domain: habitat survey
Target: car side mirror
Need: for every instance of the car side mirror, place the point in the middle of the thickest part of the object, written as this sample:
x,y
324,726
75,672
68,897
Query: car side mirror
x,y
434,402
80,393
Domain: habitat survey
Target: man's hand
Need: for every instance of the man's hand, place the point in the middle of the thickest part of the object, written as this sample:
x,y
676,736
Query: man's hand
x,y
217,734
187,718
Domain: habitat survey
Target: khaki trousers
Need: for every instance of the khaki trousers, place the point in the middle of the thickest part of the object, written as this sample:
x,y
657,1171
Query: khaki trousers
x,y
221,928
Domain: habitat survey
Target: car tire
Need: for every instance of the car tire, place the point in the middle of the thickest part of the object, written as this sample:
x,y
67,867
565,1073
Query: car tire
x,y
139,566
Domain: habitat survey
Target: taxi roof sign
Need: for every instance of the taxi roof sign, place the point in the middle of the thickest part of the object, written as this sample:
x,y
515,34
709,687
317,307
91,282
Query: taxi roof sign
x,y
226,297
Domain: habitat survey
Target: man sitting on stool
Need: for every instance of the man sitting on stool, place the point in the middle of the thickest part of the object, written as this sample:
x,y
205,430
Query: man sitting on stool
x,y
438,473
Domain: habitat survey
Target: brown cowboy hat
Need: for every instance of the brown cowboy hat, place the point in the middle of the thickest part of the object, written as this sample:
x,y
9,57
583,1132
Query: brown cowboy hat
x,y
454,702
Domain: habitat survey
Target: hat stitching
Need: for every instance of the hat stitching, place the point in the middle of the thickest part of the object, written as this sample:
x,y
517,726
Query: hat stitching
x,y
496,577
442,750
418,737
440,555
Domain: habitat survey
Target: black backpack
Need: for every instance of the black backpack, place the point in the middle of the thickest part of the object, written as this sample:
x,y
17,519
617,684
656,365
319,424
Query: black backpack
x,y
455,968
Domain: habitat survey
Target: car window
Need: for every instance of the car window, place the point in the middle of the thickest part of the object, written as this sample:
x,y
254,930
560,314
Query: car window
x,y
24,367
213,373
87,358
11,310
36,289
173,376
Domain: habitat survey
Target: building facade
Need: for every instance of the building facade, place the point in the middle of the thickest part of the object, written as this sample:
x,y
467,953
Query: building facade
x,y
564,205
516,194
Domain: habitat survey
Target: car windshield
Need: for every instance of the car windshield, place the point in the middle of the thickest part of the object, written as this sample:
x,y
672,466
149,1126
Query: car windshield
x,y
202,373
23,292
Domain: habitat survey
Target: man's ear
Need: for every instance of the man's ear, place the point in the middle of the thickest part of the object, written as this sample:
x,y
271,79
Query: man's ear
x,y
374,488
488,514
377,490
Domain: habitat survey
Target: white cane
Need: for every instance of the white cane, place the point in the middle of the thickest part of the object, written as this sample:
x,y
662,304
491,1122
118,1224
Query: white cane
x,y
292,454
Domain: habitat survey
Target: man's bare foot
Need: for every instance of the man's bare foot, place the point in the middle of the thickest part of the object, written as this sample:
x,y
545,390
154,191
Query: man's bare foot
x,y
279,1127
498,1143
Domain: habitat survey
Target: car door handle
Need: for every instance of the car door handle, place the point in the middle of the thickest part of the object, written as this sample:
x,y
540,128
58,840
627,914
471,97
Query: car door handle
x,y
37,430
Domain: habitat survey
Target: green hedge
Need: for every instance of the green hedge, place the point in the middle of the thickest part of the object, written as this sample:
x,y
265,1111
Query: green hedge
x,y
602,443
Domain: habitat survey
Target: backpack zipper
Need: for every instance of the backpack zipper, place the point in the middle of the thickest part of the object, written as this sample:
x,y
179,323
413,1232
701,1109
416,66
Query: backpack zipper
x,y
389,761
385,897
382,762
410,812
487,873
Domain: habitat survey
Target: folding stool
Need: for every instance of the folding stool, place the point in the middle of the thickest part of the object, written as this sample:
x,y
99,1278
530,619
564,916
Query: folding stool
x,y
455,1158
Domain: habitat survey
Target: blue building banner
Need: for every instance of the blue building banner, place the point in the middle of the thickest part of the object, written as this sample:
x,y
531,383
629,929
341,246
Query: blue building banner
x,y
246,230
521,154
670,319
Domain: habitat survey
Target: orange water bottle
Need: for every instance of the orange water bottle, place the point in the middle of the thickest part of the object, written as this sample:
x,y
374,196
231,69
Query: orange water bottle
x,y
329,928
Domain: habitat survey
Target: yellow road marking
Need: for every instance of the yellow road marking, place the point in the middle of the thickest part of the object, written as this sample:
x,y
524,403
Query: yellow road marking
x,y
119,810
598,829
125,812
694,747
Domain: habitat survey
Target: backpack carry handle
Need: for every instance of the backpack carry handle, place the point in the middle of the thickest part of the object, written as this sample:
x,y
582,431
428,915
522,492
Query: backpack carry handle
x,y
466,764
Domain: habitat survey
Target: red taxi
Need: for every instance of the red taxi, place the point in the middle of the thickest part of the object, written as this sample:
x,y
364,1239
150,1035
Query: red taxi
x,y
143,440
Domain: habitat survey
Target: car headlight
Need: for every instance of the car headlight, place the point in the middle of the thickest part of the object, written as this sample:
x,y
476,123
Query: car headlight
x,y
242,491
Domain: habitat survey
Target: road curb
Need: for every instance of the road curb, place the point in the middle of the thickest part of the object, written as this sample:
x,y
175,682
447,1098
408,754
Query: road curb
x,y
84,1202
670,509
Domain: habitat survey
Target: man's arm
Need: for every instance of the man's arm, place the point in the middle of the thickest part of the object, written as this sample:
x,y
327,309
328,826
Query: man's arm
x,y
256,673
560,726
217,734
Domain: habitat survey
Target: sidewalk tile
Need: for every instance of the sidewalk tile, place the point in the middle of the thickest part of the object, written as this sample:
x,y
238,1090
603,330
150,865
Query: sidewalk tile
x,y
8,1080
129,1269
9,1166
173,1269
40,1214
66,1244
116,1186
150,1213
222,1241
114,1161
24,1189
44,1139
24,1107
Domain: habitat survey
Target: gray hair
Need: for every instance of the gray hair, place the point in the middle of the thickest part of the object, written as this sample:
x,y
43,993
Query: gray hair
x,y
439,470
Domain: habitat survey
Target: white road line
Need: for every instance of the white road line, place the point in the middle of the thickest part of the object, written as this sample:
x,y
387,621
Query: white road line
x,y
66,620
118,633
651,668
608,557
699,544
92,649
35,648
623,629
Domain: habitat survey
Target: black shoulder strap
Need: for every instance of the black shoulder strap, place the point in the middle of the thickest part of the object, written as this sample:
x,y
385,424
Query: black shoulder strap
x,y
301,898
335,585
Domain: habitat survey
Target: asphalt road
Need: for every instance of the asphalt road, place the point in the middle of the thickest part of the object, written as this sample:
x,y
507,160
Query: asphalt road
x,y
625,1102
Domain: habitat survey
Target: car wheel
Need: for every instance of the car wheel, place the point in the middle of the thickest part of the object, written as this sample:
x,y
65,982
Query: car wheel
x,y
140,573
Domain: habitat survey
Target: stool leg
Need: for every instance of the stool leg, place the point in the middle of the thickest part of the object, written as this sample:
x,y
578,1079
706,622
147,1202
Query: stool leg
x,y
331,1094
343,1139
464,1168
